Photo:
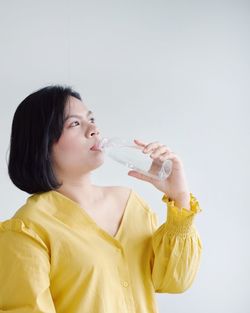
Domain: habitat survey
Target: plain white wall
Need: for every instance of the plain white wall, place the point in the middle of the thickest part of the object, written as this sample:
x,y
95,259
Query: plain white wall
x,y
172,71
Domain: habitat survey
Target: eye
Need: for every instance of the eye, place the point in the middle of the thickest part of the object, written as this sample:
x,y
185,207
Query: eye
x,y
76,123
73,124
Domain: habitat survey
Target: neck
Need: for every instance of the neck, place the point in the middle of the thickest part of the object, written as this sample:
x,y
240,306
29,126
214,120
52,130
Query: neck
x,y
81,190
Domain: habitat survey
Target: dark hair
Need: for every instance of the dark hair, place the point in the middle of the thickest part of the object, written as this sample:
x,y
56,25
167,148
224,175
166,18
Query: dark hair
x,y
37,124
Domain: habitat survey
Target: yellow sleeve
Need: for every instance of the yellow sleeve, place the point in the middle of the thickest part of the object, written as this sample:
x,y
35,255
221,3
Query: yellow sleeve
x,y
176,248
24,270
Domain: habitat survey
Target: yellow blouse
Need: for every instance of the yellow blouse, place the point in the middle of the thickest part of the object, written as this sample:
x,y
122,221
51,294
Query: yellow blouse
x,y
55,258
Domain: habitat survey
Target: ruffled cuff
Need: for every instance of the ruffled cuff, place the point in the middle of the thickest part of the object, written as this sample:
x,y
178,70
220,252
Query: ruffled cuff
x,y
180,220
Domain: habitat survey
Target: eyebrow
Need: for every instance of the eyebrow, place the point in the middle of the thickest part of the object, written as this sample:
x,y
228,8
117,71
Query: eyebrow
x,y
77,116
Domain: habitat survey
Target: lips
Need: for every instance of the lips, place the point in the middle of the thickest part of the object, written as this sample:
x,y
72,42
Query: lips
x,y
95,146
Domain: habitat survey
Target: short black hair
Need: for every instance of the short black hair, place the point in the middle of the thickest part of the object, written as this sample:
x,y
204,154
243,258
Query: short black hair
x,y
37,123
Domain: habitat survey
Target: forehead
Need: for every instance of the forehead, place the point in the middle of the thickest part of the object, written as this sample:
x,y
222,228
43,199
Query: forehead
x,y
75,106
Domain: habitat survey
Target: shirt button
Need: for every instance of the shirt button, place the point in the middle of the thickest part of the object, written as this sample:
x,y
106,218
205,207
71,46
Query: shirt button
x,y
125,284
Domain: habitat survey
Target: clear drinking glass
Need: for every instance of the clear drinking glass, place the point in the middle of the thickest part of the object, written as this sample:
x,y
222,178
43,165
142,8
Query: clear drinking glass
x,y
126,152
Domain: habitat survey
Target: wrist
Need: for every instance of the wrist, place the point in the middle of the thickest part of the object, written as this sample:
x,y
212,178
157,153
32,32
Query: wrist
x,y
183,200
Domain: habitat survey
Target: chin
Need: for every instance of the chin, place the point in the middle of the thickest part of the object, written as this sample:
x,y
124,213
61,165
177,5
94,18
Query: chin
x,y
96,164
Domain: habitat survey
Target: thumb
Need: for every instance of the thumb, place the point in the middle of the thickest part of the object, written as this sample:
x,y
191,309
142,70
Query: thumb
x,y
140,176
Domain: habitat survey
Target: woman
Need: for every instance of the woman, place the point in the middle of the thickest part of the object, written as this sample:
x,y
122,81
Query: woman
x,y
75,247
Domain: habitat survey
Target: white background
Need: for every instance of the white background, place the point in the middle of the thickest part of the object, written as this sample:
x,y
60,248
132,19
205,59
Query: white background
x,y
170,71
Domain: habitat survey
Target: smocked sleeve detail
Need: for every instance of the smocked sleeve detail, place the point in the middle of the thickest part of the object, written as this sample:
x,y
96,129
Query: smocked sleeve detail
x,y
180,220
176,248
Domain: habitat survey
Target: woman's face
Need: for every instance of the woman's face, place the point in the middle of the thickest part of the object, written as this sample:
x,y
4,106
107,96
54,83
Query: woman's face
x,y
71,154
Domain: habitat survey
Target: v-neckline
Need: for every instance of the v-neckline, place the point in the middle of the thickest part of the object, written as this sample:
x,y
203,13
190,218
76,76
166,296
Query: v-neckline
x,y
124,216
93,222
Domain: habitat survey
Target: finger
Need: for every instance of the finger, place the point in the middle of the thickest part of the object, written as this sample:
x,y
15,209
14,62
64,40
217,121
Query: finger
x,y
140,176
171,156
159,151
140,143
167,155
150,147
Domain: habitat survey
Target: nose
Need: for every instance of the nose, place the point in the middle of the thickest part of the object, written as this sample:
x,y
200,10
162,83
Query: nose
x,y
93,131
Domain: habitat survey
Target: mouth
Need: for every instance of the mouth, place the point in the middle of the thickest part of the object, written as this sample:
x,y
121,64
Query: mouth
x,y
95,147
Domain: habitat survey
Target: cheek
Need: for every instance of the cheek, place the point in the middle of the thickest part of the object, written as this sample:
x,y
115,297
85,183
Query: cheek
x,y
66,145
69,142
67,150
